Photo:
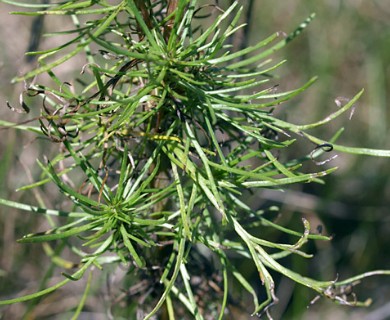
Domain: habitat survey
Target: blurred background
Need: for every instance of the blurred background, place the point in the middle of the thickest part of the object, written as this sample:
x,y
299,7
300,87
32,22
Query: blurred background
x,y
348,47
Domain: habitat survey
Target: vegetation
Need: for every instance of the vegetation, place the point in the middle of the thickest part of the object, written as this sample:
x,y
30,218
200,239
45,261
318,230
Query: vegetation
x,y
160,142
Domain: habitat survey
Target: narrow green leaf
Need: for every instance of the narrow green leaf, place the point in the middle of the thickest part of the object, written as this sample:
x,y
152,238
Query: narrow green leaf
x,y
90,171
278,165
169,283
125,236
352,150
247,286
75,196
83,298
282,181
179,12
103,26
65,12
274,48
34,209
334,115
182,202
214,196
191,299
123,176
224,262
214,26
13,125
52,234
245,51
28,5
48,290
132,9
35,295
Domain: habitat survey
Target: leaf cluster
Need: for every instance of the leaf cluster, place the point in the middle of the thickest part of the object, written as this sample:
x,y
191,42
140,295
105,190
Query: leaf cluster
x,y
169,132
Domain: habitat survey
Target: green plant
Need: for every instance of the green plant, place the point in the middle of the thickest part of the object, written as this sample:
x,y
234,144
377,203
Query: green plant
x,y
158,147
